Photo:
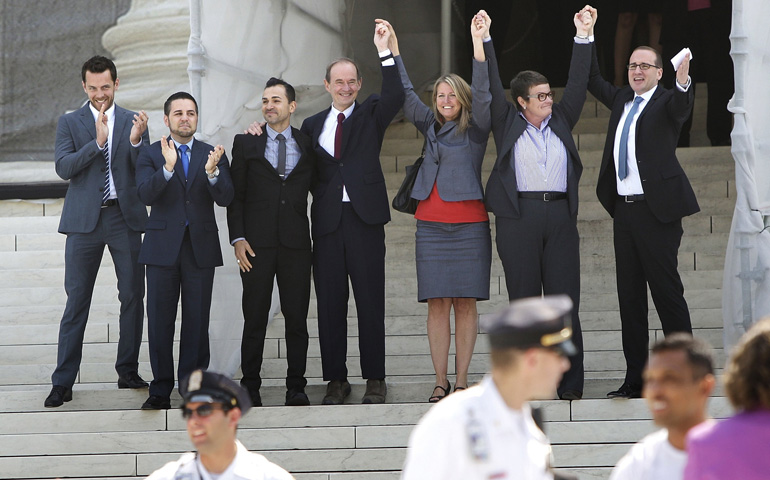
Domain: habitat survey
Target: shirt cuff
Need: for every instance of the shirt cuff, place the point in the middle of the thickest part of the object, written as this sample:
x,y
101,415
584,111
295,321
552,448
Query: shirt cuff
x,y
584,40
166,174
237,240
386,57
487,39
684,88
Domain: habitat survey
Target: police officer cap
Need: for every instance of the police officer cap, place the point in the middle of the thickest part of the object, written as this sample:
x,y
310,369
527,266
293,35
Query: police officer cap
x,y
533,322
211,387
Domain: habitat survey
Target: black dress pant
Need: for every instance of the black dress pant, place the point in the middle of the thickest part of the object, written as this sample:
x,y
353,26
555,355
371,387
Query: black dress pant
x,y
540,252
356,250
646,254
292,269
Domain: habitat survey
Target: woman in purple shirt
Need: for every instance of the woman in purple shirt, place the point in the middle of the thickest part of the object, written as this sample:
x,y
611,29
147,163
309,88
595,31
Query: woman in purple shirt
x,y
739,447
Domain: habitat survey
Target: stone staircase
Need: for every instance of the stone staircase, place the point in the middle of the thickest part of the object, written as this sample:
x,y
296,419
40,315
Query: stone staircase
x,y
103,434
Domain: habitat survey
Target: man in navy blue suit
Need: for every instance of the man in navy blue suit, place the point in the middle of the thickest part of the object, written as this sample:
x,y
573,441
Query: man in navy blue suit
x,y
180,178
349,213
96,150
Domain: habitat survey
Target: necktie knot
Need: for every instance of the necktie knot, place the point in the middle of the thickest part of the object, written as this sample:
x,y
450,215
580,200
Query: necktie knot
x,y
340,117
280,137
183,149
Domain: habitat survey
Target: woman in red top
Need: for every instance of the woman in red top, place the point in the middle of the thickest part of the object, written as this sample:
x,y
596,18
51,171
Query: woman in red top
x,y
453,243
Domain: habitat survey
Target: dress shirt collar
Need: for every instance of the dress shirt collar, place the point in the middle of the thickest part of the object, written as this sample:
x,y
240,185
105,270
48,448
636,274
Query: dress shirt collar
x,y
286,133
646,96
110,112
543,124
348,111
189,144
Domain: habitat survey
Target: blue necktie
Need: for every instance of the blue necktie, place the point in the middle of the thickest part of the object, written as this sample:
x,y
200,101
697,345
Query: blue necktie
x,y
185,158
623,150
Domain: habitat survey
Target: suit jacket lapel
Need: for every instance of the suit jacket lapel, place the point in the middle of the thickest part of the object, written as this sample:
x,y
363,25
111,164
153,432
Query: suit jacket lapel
x,y
117,129
197,161
260,145
87,119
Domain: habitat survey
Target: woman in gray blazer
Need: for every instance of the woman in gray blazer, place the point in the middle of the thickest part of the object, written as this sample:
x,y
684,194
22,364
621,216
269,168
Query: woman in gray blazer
x,y
453,243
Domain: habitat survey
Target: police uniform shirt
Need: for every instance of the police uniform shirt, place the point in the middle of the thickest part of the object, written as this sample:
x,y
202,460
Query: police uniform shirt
x,y
246,466
474,435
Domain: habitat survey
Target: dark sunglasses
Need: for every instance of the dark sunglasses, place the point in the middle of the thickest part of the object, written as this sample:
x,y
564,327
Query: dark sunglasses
x,y
203,410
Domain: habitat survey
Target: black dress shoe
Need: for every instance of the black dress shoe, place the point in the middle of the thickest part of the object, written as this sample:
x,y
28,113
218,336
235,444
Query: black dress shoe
x,y
336,392
131,380
296,398
156,402
256,399
58,396
626,390
375,391
571,395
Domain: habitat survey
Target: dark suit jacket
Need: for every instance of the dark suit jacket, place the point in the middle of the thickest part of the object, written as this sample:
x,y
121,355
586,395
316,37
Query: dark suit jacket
x,y
666,188
502,193
79,160
267,210
359,166
175,202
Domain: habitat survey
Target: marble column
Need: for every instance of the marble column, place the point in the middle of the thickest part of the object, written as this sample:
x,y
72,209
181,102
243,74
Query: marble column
x,y
149,46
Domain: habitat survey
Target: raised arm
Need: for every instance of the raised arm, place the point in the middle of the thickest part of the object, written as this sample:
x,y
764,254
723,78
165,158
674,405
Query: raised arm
x,y
580,67
481,97
392,92
414,109
499,106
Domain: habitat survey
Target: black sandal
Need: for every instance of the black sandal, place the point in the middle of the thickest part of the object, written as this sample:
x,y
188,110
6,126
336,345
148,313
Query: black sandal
x,y
457,389
447,390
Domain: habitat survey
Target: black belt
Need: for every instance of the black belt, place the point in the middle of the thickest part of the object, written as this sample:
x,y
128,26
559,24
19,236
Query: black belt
x,y
631,198
544,196
110,203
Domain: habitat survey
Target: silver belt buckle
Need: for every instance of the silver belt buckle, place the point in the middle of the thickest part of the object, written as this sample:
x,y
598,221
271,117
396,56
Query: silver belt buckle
x,y
625,199
545,197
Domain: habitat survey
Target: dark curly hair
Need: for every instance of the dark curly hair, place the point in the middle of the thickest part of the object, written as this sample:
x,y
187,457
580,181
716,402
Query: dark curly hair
x,y
747,376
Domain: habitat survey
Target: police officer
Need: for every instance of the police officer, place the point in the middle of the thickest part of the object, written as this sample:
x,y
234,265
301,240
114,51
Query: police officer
x,y
213,405
487,431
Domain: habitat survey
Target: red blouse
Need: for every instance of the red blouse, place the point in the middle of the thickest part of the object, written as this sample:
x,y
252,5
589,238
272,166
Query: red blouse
x,y
434,209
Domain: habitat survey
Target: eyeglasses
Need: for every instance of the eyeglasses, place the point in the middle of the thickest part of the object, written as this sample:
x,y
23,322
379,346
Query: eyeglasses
x,y
541,96
643,66
203,410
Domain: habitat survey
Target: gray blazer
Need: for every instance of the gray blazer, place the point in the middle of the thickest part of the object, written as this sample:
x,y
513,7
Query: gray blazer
x,y
452,159
79,160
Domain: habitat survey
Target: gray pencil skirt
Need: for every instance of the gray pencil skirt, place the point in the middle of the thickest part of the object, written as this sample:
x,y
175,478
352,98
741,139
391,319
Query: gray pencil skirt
x,y
453,260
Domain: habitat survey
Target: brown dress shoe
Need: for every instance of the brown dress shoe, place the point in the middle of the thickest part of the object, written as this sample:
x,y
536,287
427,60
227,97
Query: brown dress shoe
x,y
375,391
336,391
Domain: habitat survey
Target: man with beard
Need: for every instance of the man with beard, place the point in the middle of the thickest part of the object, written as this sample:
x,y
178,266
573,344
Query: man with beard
x,y
180,178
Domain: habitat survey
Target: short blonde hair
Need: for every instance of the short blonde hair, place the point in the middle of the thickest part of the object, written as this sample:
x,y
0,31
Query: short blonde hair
x,y
747,376
462,93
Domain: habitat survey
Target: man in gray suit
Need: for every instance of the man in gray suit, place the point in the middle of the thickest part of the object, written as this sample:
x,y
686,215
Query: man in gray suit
x,y
96,150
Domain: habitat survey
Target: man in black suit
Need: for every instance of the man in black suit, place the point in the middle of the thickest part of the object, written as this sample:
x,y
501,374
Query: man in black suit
x,y
269,229
644,188
349,213
180,178
96,150
533,187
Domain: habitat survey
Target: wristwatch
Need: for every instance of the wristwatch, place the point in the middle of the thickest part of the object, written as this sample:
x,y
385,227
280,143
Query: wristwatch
x,y
214,174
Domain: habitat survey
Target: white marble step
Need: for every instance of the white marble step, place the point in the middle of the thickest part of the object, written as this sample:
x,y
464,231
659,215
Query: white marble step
x,y
91,371
415,343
